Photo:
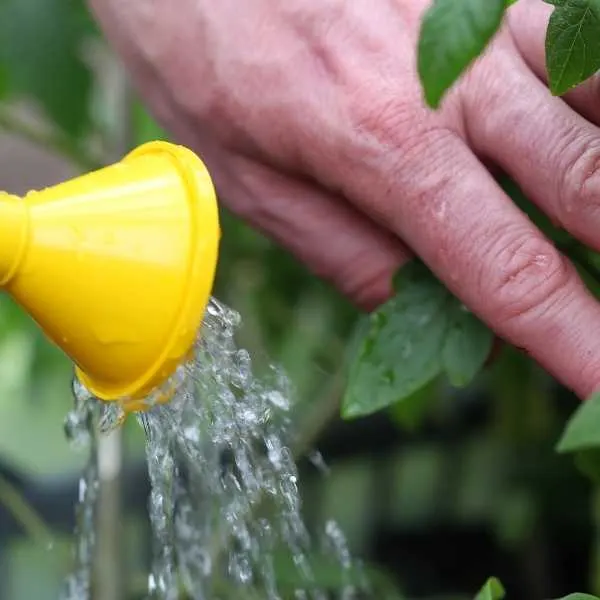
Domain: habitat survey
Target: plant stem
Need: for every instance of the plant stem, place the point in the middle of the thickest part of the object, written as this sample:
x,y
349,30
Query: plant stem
x,y
24,513
56,142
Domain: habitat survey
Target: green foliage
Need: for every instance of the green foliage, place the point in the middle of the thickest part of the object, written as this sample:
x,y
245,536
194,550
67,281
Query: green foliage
x,y
572,43
492,590
582,431
327,574
41,48
422,332
452,35
581,437
3,82
467,346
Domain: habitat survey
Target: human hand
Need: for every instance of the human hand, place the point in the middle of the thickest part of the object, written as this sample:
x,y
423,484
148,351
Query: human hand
x,y
309,115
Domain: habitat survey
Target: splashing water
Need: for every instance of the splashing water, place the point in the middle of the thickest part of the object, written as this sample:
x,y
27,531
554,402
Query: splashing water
x,y
224,506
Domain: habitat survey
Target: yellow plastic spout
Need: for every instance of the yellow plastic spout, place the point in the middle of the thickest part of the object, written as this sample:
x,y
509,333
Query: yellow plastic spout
x,y
117,266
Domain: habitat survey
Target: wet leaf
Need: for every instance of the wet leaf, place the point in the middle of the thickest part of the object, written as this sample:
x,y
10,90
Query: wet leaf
x,y
578,596
403,347
400,352
467,347
492,590
452,35
572,43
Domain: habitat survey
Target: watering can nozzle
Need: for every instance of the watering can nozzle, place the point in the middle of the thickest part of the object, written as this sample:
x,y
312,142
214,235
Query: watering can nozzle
x,y
117,266
13,231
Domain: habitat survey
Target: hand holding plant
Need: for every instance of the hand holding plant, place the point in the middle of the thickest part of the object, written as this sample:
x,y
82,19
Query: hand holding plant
x,y
311,117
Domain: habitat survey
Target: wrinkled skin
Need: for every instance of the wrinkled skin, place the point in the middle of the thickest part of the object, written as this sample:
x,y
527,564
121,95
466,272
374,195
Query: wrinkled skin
x,y
310,117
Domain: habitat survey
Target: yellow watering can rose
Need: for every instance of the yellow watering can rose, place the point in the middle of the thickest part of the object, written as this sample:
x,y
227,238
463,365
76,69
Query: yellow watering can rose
x,y
117,266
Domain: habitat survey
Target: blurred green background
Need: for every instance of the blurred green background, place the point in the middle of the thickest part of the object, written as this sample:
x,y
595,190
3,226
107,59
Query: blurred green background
x,y
475,490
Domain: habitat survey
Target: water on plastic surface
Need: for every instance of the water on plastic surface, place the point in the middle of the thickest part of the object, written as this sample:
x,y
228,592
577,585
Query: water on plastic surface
x,y
224,506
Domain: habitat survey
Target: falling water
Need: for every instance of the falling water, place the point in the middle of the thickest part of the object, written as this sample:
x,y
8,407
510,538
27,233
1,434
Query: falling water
x,y
80,428
224,507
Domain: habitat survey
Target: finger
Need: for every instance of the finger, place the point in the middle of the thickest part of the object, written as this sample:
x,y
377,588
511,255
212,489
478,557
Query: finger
x,y
336,241
358,256
551,151
325,232
434,193
528,20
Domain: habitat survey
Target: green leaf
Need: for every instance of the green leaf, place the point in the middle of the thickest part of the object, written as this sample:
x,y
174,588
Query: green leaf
x,y
581,437
453,33
572,44
578,596
40,50
492,590
582,431
467,347
403,348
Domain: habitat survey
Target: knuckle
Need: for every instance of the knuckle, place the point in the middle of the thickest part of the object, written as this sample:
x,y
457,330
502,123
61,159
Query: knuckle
x,y
531,278
393,137
385,120
579,184
389,120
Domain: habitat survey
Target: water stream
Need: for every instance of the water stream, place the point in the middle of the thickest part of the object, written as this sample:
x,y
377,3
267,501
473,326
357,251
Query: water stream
x,y
225,507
